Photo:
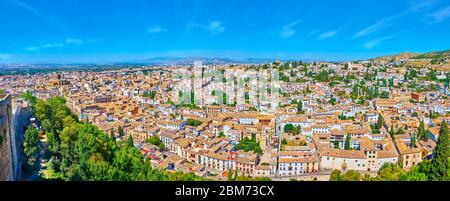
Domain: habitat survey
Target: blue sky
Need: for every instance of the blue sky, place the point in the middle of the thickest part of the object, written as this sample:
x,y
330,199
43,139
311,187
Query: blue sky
x,y
114,30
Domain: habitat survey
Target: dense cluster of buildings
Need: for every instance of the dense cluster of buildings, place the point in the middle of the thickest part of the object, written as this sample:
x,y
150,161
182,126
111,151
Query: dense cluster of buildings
x,y
318,126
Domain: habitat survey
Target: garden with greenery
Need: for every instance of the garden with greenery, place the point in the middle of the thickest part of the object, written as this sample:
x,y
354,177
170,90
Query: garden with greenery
x,y
247,144
80,151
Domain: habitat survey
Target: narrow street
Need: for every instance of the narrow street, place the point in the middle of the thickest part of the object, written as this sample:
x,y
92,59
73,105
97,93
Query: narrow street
x,y
322,176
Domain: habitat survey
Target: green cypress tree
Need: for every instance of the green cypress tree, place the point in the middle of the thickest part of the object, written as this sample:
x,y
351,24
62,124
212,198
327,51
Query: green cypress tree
x,y
230,175
130,142
414,141
439,164
422,133
120,130
347,143
299,106
379,121
113,135
391,132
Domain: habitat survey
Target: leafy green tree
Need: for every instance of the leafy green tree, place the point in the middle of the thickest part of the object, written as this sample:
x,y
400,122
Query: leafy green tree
x,y
221,134
389,172
80,151
154,140
440,165
149,94
288,128
193,122
400,131
52,143
384,95
247,178
249,145
391,82
335,175
336,144
30,146
414,175
41,110
351,175
355,92
323,76
69,155
28,96
394,172
332,101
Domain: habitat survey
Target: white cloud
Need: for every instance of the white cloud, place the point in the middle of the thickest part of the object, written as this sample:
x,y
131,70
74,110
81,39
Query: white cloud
x,y
374,27
67,42
28,8
388,21
74,41
288,30
441,15
215,27
156,29
375,42
415,6
52,45
328,34
32,49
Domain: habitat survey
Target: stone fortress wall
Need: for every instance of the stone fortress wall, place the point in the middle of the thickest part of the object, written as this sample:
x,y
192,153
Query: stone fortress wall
x,y
6,142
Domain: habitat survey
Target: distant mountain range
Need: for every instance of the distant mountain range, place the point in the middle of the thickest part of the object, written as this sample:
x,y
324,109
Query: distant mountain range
x,y
205,60
409,55
224,60
437,57
439,60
